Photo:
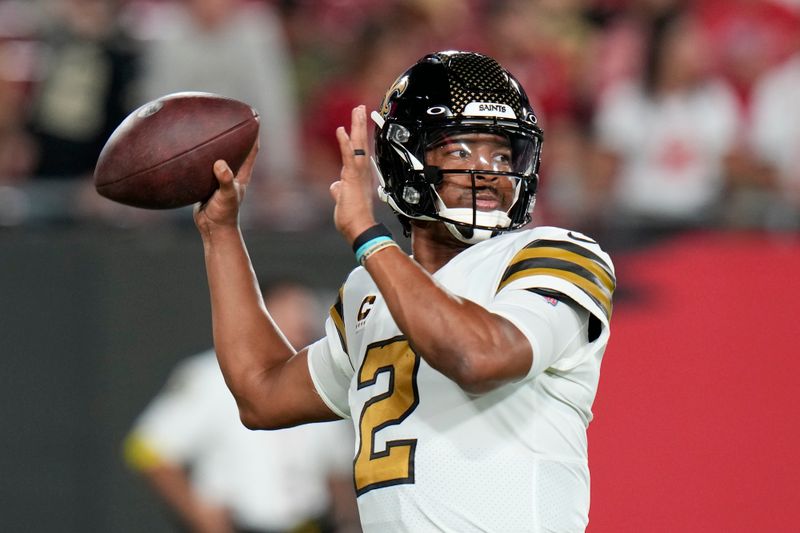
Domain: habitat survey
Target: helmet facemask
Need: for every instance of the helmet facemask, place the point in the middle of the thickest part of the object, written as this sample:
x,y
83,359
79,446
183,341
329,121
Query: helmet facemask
x,y
494,166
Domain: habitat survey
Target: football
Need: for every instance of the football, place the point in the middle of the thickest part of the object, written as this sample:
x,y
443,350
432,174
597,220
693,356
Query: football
x,y
161,155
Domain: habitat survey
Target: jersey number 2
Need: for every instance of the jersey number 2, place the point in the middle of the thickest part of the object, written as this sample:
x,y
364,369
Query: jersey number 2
x,y
395,464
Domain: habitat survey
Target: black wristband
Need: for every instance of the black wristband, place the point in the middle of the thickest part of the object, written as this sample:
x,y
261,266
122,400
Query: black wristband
x,y
378,230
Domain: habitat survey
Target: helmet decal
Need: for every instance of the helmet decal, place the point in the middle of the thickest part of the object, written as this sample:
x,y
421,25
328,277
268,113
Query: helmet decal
x,y
478,78
395,91
485,109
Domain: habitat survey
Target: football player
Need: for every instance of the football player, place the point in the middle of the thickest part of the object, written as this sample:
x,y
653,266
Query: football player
x,y
468,368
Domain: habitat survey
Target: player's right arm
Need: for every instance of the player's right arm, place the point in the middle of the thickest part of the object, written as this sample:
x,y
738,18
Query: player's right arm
x,y
268,377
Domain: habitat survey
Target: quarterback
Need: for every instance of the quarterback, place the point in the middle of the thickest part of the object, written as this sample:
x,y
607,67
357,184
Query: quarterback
x,y
468,368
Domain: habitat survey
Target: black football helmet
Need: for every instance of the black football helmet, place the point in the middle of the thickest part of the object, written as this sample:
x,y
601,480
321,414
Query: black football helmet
x,y
449,93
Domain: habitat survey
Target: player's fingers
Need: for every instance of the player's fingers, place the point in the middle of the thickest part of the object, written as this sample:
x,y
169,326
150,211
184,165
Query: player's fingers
x,y
223,173
353,146
247,167
222,207
345,147
358,133
229,185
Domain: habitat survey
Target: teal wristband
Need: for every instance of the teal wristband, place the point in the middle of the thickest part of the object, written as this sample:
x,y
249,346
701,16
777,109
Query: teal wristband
x,y
367,246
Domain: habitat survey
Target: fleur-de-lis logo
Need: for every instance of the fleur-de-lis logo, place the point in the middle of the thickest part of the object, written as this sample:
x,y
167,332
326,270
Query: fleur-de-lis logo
x,y
397,89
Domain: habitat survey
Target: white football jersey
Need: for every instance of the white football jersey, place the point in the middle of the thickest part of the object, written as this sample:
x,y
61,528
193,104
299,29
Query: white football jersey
x,y
431,457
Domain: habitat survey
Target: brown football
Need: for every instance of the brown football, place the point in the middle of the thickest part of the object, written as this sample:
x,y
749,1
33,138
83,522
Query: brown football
x,y
161,155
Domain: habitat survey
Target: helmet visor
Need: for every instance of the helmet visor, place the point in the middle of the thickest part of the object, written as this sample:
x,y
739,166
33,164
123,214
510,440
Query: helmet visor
x,y
493,149
479,170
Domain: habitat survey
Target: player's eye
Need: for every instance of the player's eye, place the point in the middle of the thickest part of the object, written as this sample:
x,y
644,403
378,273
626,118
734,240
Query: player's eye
x,y
502,159
458,153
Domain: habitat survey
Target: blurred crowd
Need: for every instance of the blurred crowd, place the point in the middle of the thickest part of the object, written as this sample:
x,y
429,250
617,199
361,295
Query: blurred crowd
x,y
659,115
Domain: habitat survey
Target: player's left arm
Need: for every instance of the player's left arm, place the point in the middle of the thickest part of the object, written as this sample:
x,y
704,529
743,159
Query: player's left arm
x,y
474,347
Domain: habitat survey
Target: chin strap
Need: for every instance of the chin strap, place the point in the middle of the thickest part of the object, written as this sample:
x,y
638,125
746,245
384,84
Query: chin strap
x,y
491,219
478,235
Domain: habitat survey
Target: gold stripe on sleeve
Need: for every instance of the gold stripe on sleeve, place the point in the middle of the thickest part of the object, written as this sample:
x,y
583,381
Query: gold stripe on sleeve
x,y
605,277
569,262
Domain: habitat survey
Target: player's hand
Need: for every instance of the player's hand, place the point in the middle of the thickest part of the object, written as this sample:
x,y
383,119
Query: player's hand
x,y
222,209
354,190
